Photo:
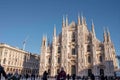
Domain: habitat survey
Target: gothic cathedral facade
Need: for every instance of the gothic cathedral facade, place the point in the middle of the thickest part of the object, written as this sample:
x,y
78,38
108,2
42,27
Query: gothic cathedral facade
x,y
78,51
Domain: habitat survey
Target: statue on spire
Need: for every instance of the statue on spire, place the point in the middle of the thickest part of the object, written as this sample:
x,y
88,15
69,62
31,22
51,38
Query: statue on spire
x,y
63,22
44,40
66,20
108,35
54,33
105,35
79,21
82,19
93,30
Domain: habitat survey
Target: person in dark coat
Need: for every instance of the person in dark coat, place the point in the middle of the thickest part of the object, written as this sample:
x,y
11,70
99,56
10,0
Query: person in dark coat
x,y
62,75
45,75
33,76
92,76
68,77
73,77
26,76
2,72
57,76
16,75
102,77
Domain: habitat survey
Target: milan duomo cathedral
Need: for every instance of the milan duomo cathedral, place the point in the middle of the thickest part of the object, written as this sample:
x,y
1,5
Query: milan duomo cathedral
x,y
78,51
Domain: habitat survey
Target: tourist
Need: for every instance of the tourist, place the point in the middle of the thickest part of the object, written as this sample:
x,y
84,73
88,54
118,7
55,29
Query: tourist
x,y
2,72
92,76
26,76
102,77
73,77
16,75
68,77
57,76
32,76
62,75
45,75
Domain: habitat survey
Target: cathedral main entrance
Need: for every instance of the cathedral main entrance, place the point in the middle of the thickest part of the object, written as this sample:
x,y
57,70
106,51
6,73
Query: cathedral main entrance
x,y
73,69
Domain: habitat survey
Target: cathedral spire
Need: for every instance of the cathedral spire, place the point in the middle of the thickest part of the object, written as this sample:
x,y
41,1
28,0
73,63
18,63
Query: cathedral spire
x,y
108,35
82,19
43,54
54,33
63,22
66,20
93,30
79,21
105,35
44,40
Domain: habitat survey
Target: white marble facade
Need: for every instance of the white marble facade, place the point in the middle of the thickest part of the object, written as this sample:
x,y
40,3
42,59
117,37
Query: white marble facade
x,y
78,50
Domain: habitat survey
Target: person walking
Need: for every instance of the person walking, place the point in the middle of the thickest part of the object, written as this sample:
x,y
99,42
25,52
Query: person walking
x,y
26,76
45,75
2,72
92,76
73,77
68,76
102,77
62,75
16,75
32,76
57,76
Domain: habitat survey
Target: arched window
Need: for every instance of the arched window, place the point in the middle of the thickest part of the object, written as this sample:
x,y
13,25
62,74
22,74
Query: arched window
x,y
25,59
4,61
44,43
7,69
88,48
100,58
73,51
58,59
59,50
5,53
49,61
73,37
89,59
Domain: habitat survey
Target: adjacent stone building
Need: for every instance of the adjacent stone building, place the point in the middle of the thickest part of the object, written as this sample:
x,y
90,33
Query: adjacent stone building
x,y
12,59
78,50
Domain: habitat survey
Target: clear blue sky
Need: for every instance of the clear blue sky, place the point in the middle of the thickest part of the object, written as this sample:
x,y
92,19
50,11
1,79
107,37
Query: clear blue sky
x,y
33,18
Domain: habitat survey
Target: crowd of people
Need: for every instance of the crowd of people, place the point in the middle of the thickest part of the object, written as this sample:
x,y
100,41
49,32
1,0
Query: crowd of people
x,y
61,75
15,76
